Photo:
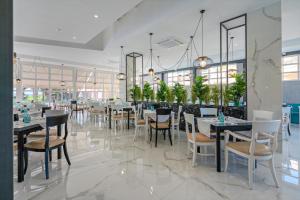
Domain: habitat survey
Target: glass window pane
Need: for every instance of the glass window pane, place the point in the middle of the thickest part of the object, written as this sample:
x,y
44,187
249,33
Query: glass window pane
x,y
290,68
290,76
290,59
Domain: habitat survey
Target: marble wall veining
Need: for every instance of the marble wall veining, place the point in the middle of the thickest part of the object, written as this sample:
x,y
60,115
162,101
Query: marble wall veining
x,y
264,60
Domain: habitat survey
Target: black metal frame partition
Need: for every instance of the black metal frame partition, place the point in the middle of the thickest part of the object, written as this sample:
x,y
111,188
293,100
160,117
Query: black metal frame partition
x,y
133,55
229,25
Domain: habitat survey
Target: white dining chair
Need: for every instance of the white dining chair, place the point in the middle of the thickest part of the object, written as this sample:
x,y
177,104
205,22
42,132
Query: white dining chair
x,y
139,123
252,150
177,121
194,139
262,115
212,112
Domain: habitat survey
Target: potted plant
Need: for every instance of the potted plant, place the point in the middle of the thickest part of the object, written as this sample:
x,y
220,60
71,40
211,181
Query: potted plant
x,y
199,89
170,96
147,91
206,95
215,95
135,93
179,93
227,96
161,93
238,88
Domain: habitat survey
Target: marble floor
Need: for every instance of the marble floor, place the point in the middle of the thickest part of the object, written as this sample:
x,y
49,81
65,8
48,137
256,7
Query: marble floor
x,y
108,165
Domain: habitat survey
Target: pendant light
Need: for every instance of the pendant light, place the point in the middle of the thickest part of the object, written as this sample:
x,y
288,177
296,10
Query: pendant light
x,y
151,70
202,61
62,82
121,76
18,71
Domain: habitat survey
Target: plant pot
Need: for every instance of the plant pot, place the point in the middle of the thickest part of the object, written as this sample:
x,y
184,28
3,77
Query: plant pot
x,y
237,103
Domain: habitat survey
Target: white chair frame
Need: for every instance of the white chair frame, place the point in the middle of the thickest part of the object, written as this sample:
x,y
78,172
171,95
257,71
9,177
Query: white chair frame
x,y
177,122
189,120
268,129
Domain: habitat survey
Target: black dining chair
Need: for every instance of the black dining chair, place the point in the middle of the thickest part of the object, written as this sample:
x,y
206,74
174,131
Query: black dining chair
x,y
162,123
75,108
44,109
50,143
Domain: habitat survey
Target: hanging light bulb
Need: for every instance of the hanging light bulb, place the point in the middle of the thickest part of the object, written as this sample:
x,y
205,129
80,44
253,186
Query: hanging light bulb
x,y
151,70
95,76
202,61
121,76
18,68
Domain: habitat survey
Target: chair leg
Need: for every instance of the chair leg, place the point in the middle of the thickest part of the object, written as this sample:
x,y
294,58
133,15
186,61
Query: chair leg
x,y
150,134
47,163
156,137
226,160
135,133
50,155
170,137
188,147
272,168
250,172
164,134
66,154
178,133
194,154
25,160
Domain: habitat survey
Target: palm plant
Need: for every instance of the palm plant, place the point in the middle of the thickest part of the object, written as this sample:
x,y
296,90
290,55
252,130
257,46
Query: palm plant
x,y
179,92
135,93
147,91
238,88
206,95
227,96
199,89
161,93
170,96
215,95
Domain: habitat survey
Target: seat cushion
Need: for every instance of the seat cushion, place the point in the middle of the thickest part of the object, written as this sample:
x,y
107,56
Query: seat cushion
x,y
162,125
243,147
40,144
141,122
200,138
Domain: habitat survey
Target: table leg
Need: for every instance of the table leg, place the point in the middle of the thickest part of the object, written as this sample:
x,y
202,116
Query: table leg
x,y
59,148
218,150
128,113
109,117
20,157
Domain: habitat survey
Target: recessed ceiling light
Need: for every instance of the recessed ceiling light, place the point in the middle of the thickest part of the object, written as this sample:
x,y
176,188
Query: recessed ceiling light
x,y
58,29
74,37
96,16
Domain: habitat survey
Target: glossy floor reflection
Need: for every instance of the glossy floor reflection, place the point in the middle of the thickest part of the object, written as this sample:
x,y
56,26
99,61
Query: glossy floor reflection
x,y
108,165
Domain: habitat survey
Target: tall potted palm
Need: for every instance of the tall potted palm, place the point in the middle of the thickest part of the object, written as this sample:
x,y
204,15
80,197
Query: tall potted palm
x,y
238,88
135,93
147,91
199,89
162,90
179,93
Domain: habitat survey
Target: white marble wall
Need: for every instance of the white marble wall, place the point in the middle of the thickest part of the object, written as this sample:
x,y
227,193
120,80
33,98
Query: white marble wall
x,y
264,60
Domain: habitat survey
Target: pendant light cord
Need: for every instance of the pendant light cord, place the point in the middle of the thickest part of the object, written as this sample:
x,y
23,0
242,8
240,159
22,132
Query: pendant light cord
x,y
151,53
202,33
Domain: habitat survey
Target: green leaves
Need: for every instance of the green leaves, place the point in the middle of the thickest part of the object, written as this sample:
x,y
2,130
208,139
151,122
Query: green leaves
x,y
180,93
170,95
161,93
238,89
215,95
136,93
148,91
200,90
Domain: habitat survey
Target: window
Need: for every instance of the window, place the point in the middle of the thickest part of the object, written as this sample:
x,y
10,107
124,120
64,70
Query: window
x,y
213,74
183,77
290,68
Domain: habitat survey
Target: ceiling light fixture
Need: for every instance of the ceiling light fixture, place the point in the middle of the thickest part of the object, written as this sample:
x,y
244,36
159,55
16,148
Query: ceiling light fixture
x,y
96,16
58,29
74,37
202,61
151,70
121,76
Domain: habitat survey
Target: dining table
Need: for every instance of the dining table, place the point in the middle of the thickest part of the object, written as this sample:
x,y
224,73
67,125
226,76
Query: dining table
x,y
231,124
125,108
22,130
151,114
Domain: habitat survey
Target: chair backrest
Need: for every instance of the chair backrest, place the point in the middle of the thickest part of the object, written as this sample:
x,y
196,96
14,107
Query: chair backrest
x,y
189,120
269,127
212,112
74,104
44,109
262,115
16,117
58,121
163,115
99,107
203,127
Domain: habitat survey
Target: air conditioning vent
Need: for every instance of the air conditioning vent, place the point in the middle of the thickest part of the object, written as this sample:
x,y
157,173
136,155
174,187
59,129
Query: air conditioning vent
x,y
169,43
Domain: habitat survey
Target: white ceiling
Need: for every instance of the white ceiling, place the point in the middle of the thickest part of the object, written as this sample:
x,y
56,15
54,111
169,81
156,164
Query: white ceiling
x,y
41,18
38,19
